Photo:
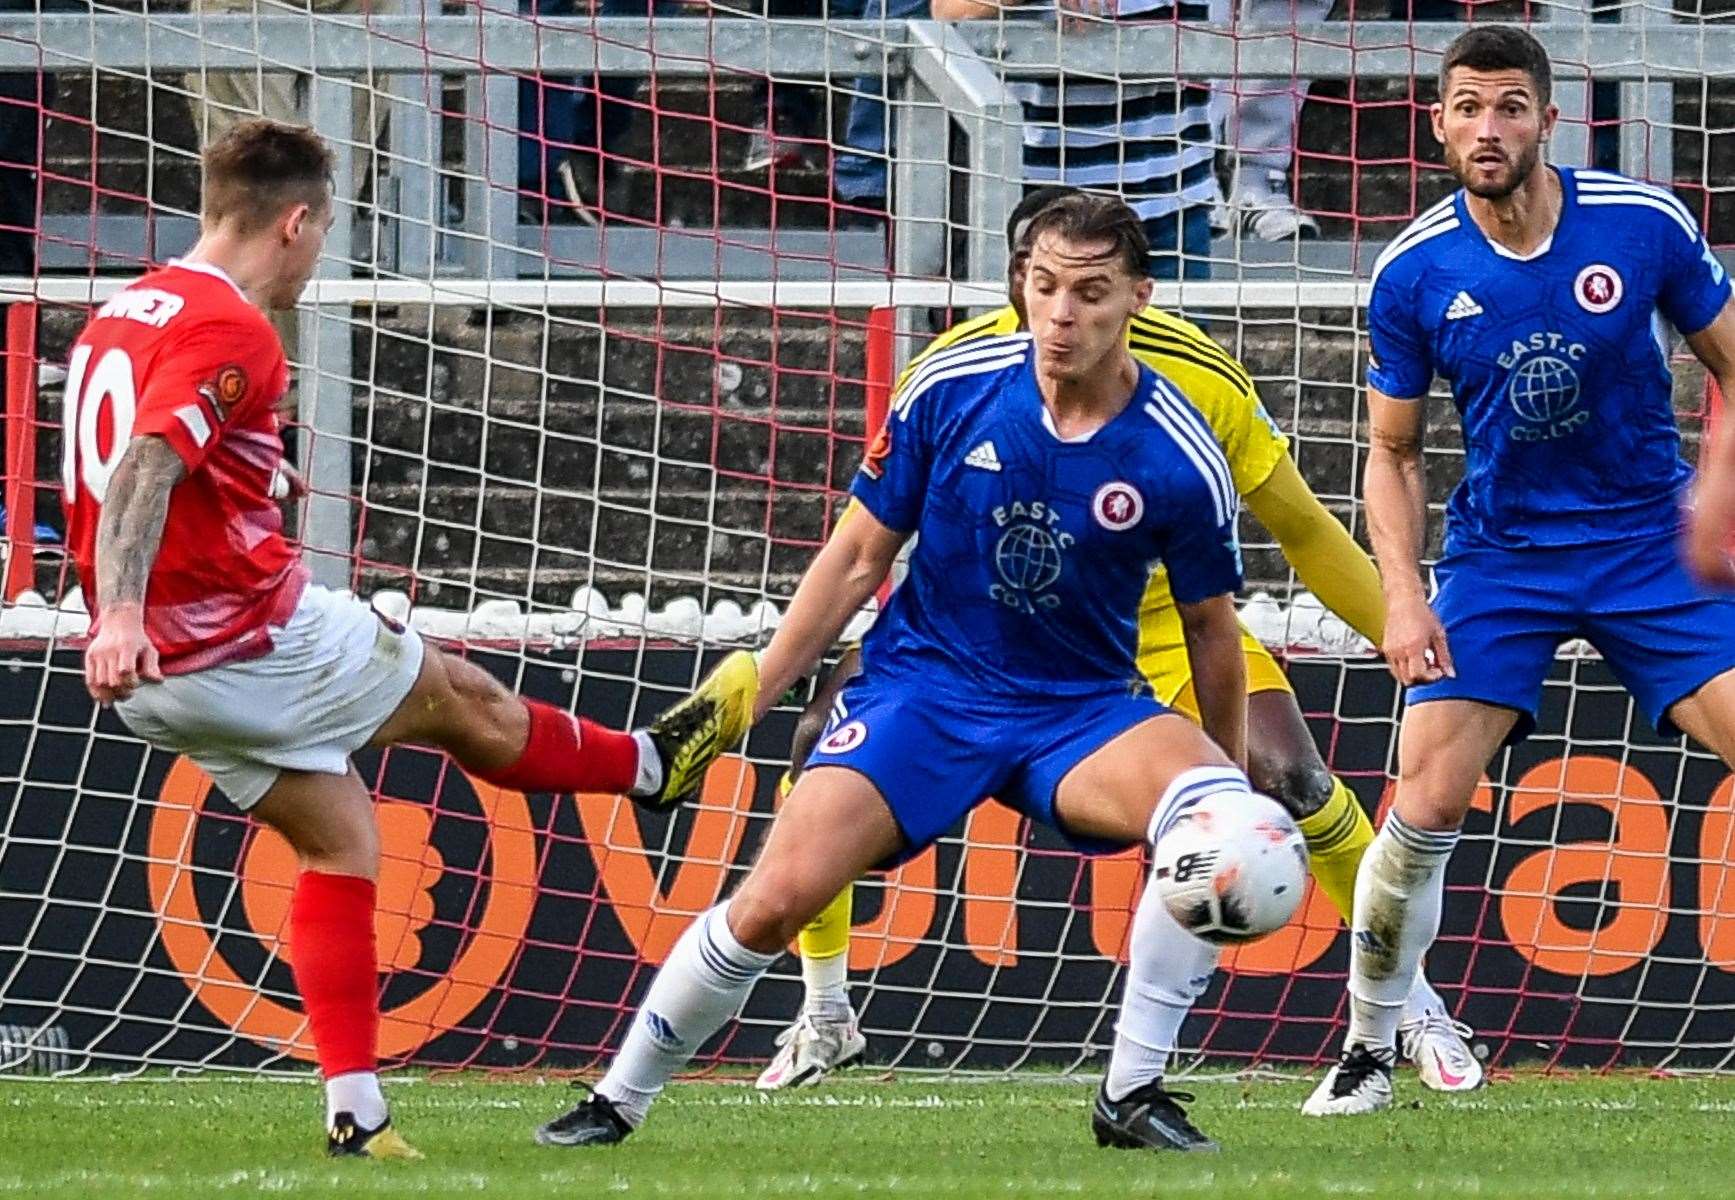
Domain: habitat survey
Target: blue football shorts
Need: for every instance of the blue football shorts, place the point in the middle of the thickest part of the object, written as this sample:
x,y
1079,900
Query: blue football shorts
x,y
1507,611
936,749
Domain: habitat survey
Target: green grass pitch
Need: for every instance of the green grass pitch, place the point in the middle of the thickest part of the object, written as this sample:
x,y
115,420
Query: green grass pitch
x,y
1619,1136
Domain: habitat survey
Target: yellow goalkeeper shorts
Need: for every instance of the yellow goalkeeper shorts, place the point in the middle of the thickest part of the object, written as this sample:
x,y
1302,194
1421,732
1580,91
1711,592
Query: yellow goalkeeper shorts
x,y
1163,661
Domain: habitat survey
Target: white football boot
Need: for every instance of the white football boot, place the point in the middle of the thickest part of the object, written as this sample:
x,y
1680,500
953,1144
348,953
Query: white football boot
x,y
811,1049
1437,1045
1360,1082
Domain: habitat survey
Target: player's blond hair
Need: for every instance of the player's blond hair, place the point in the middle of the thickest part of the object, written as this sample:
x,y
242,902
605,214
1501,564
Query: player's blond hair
x,y
260,168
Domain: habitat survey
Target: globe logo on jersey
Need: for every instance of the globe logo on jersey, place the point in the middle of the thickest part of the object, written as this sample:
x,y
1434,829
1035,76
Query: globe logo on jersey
x,y
1029,555
1027,558
1544,386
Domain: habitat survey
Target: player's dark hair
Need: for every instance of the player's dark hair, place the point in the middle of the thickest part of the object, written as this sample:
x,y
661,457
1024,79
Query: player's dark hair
x,y
260,168
1086,217
1499,48
1034,201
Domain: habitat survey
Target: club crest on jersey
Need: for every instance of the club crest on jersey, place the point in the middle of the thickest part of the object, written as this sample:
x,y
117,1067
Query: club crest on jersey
x,y
1029,555
1598,288
844,738
224,390
1117,506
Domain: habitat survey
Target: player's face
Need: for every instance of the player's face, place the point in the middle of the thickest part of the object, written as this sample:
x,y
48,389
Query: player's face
x,y
303,232
1492,126
1078,297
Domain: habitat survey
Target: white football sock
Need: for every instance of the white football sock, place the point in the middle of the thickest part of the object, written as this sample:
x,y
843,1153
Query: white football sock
x,y
827,985
358,1094
650,773
1169,968
1423,999
1399,890
707,976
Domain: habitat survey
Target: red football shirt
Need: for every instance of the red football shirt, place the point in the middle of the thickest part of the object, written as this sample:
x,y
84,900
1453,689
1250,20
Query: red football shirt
x,y
183,355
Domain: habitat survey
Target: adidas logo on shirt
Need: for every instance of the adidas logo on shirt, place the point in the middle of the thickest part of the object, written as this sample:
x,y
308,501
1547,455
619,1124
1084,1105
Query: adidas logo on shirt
x,y
983,456
1463,305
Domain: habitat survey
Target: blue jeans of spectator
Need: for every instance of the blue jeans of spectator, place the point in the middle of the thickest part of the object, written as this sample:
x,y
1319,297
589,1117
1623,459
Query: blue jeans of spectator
x,y
558,115
859,175
1180,244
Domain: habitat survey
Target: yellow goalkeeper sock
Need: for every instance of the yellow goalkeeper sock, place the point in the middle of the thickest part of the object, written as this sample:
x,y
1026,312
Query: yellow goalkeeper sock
x,y
1337,836
827,935
824,943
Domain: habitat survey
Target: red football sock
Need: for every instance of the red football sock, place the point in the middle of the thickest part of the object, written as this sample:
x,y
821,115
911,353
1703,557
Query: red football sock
x,y
565,753
331,945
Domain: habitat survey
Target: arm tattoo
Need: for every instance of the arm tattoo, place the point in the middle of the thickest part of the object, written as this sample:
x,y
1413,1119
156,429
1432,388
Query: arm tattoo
x,y
133,512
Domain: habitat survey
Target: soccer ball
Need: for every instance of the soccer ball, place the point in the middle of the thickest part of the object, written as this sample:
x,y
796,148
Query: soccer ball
x,y
1231,868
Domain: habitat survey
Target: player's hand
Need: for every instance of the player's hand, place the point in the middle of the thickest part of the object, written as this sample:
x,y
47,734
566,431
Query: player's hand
x,y
120,656
287,483
1706,546
1415,645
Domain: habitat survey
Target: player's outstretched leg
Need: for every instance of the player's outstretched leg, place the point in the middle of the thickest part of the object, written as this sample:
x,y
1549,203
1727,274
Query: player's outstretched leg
x,y
1284,763
328,821
691,735
528,746
825,1036
833,827
1120,794
1168,970
1443,747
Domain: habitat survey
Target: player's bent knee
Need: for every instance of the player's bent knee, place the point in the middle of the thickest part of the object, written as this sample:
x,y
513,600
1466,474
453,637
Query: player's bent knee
x,y
766,914
1431,794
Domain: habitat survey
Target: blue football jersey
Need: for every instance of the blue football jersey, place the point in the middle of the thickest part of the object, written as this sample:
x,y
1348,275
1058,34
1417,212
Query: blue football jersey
x,y
1033,552
1558,362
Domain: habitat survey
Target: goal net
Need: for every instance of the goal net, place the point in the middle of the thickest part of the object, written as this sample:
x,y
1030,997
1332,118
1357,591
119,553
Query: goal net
x,y
613,298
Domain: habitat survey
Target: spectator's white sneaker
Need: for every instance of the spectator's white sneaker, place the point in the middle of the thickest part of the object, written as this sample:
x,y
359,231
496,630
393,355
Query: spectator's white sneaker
x,y
1222,219
1360,1082
1438,1046
1266,210
579,194
766,151
809,1050
50,375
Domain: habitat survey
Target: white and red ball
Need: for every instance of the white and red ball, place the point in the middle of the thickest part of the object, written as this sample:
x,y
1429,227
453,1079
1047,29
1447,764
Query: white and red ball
x,y
1232,868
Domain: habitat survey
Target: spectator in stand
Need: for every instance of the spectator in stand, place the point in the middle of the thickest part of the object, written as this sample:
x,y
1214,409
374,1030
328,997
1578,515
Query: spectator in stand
x,y
1148,141
788,113
23,105
859,172
1259,119
569,129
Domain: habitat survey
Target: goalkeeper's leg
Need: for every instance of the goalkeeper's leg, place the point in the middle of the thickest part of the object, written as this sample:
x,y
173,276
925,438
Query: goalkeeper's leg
x,y
824,1036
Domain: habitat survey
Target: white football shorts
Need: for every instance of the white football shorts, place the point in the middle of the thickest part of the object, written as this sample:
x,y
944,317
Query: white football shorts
x,y
336,671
